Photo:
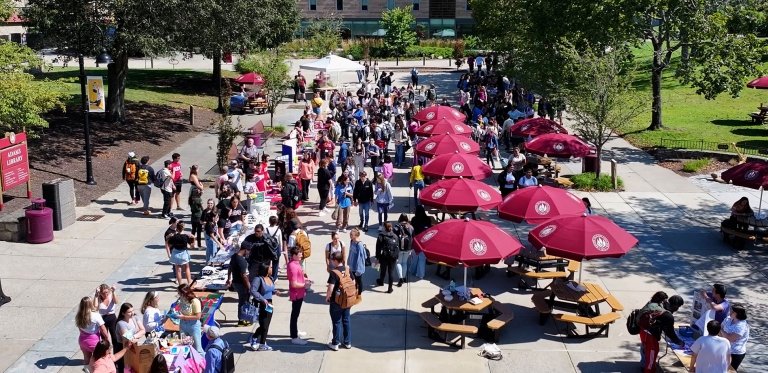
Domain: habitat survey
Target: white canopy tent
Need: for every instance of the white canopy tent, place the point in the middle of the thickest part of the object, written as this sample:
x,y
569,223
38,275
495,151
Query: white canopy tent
x,y
333,63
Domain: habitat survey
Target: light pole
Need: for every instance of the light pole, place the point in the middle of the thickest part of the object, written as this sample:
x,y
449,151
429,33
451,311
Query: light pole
x,y
101,58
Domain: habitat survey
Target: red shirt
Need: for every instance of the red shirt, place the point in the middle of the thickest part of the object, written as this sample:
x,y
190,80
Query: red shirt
x,y
176,171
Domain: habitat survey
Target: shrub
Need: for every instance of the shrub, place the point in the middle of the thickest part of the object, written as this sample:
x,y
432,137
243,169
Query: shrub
x,y
695,165
419,51
588,182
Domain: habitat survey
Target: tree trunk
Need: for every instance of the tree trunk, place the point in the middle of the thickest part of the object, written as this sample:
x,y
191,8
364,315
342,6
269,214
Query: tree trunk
x,y
271,118
216,78
598,165
656,75
117,72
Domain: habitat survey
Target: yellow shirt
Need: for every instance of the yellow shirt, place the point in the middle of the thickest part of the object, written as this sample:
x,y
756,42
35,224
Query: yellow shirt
x,y
416,174
317,102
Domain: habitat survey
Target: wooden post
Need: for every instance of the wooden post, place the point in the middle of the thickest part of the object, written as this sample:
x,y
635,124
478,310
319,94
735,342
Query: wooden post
x,y
191,115
614,176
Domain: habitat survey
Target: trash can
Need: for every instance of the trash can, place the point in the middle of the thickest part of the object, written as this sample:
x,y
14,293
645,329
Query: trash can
x,y
589,164
39,222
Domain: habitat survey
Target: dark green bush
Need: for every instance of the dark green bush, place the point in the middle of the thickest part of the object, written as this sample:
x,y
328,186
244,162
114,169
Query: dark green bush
x,y
588,182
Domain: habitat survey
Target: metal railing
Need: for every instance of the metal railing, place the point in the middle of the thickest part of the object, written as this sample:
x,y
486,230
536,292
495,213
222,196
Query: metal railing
x,y
702,145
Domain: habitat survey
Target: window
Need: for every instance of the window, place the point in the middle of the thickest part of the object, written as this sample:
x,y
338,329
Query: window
x,y
312,4
415,4
390,4
339,4
364,4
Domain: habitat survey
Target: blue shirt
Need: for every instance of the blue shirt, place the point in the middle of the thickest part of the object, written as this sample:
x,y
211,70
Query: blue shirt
x,y
343,200
213,356
356,260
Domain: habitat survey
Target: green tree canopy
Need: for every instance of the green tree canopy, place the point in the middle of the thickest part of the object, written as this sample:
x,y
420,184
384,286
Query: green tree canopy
x,y
398,23
272,67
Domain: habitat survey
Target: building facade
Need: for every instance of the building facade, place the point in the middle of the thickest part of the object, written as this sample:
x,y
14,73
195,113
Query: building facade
x,y
13,29
361,17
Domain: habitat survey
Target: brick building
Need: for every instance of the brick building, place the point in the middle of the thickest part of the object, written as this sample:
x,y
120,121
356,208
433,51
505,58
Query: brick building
x,y
361,17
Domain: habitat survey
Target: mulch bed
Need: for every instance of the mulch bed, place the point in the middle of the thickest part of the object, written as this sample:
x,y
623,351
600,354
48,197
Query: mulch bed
x,y
151,130
712,166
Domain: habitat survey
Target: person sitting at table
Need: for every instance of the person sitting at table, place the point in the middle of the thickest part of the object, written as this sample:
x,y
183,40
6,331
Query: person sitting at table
x,y
717,301
741,211
587,206
528,179
654,318
506,180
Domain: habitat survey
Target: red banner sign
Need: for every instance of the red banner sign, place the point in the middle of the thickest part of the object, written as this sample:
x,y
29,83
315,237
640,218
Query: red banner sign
x,y
14,166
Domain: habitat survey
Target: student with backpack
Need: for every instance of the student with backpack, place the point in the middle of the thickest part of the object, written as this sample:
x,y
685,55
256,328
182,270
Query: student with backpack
x,y
274,235
145,178
164,181
387,252
404,232
341,295
650,321
218,356
131,176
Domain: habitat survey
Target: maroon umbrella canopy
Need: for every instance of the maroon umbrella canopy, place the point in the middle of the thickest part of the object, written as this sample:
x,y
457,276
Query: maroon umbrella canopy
x,y
537,204
457,165
444,126
447,143
559,145
250,78
579,237
437,112
752,174
536,127
759,83
466,242
460,195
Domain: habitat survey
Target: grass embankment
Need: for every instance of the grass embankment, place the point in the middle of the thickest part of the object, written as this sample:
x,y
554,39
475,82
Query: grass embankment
x,y
688,116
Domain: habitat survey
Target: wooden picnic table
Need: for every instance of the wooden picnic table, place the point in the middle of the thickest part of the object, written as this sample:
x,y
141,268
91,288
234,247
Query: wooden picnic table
x,y
592,296
457,304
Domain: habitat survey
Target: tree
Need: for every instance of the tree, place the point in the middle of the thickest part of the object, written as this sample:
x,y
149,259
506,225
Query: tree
x,y
398,22
325,34
6,9
226,131
274,70
22,100
601,99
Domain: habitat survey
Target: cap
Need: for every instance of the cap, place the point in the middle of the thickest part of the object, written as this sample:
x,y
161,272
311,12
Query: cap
x,y
131,154
212,331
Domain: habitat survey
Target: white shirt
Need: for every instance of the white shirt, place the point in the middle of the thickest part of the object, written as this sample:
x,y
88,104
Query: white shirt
x,y
711,354
277,233
741,328
96,323
152,318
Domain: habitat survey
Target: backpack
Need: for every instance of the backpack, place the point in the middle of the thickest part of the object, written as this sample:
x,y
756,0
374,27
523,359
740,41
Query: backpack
x,y
143,178
291,195
647,320
430,94
405,235
390,248
271,240
347,290
159,178
362,133
227,359
633,328
303,243
130,169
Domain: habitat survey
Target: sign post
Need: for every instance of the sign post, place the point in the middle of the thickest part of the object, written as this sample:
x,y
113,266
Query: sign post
x,y
14,164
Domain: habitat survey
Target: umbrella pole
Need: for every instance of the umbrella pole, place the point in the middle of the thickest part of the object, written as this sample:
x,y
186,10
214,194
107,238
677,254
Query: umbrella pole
x,y
465,276
760,205
581,267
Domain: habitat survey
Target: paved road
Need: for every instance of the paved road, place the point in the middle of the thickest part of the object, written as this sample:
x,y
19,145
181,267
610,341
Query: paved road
x,y
675,218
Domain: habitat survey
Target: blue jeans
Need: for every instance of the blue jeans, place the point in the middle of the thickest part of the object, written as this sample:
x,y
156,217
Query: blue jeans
x,y
340,322
193,329
210,248
243,294
418,185
364,209
417,264
275,267
399,154
383,209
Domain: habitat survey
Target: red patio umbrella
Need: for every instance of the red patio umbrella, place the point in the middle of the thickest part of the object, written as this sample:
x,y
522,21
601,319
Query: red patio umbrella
x,y
461,195
457,165
537,204
759,83
559,145
580,237
466,242
250,78
752,174
437,112
446,143
444,126
536,127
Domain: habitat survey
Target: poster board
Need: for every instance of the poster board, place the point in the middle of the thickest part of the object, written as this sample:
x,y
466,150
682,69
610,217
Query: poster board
x,y
96,102
701,312
14,163
290,151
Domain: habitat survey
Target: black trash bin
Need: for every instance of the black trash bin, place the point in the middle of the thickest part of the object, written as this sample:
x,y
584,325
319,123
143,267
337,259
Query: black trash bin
x,y
589,164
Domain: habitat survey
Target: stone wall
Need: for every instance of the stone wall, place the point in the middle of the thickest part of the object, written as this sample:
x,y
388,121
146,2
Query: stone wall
x,y
13,227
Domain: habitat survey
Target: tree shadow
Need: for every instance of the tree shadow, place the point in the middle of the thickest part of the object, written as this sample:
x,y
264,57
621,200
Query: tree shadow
x,y
753,144
756,132
187,82
730,122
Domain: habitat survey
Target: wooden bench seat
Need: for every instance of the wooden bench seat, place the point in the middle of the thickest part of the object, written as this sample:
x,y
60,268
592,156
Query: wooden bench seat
x,y
541,304
435,327
505,316
614,303
599,322
758,117
529,274
431,303
573,266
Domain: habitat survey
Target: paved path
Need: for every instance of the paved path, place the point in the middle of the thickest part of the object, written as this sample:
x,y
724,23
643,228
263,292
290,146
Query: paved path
x,y
675,219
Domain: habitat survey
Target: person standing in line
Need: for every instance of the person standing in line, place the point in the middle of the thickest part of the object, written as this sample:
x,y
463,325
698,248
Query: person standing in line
x,y
342,332
263,288
195,213
91,327
404,232
237,277
416,179
297,290
362,198
356,259
387,252
384,198
518,162
131,175
420,223
213,241
167,189
736,330
506,180
306,173
274,231
324,185
711,353
343,193
177,178
144,180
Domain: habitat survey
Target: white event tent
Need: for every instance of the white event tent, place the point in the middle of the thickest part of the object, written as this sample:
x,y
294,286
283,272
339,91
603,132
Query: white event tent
x,y
333,63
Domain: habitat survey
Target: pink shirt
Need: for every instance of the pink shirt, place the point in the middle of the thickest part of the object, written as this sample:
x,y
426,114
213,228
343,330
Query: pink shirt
x,y
103,365
295,275
176,171
387,170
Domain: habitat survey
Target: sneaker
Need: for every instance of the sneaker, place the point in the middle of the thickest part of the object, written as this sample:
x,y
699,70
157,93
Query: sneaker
x,y
298,341
302,334
264,347
146,212
241,323
333,346
343,230
253,344
348,346
163,216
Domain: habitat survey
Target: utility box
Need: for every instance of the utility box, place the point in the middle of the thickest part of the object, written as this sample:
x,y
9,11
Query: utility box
x,y
59,195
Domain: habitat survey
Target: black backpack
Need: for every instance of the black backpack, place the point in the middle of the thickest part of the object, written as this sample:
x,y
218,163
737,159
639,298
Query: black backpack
x,y
362,133
291,195
159,179
406,236
227,359
389,248
633,328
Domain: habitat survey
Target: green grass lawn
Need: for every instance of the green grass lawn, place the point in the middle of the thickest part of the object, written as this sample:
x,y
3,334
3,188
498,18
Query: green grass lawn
x,y
688,116
176,88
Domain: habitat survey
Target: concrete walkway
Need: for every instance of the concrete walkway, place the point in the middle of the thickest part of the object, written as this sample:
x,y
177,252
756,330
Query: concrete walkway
x,y
675,218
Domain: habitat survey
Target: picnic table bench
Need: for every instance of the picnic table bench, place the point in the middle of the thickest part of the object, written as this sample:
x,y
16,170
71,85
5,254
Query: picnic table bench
x,y
541,304
759,116
504,317
435,327
600,322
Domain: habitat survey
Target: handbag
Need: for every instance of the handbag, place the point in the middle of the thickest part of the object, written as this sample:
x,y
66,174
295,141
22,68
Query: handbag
x,y
335,214
367,256
250,312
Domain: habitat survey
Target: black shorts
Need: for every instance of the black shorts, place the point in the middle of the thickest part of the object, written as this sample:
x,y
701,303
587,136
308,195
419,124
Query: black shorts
x,y
177,190
303,90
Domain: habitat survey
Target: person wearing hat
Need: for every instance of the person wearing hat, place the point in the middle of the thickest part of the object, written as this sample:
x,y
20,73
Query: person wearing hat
x,y
131,176
214,352
658,314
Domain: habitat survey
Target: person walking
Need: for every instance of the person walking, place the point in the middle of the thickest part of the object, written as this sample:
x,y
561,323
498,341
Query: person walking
x,y
237,277
297,290
177,179
736,330
356,259
414,76
362,198
404,232
387,252
306,173
341,330
416,179
343,193
654,318
384,199
131,176
177,248
711,352
263,288
324,184
145,178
